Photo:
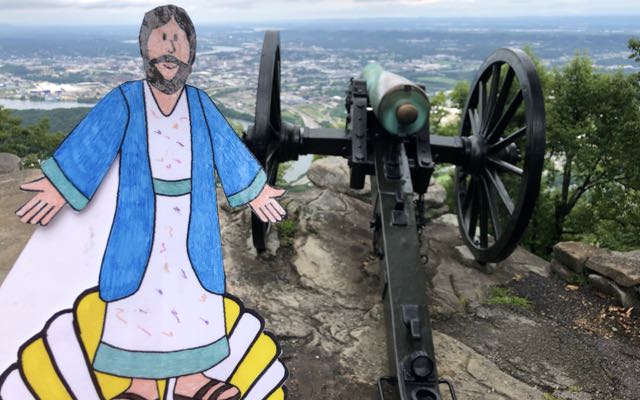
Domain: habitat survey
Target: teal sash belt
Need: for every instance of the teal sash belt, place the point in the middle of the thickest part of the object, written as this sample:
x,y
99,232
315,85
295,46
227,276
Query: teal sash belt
x,y
172,188
159,365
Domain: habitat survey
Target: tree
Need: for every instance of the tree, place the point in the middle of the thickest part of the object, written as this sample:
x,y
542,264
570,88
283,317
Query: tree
x,y
33,142
459,94
593,138
438,124
634,46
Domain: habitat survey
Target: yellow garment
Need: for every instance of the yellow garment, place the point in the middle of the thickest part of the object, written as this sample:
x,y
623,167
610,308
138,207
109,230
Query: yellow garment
x,y
41,376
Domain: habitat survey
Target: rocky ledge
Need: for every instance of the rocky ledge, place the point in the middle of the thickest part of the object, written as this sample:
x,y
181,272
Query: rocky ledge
x,y
318,287
611,272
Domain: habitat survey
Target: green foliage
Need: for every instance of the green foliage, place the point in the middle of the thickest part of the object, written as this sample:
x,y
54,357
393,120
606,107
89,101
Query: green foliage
x,y
32,142
31,161
537,237
230,113
292,118
634,46
286,231
459,94
237,126
317,157
60,119
543,73
591,184
438,113
282,169
26,73
592,174
578,280
504,296
444,176
15,69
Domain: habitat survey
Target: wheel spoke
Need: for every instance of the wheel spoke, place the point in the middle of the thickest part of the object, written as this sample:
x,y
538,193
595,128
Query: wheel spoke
x,y
484,217
493,207
502,143
478,121
473,212
506,117
502,97
482,101
493,95
271,166
496,182
467,196
474,121
505,165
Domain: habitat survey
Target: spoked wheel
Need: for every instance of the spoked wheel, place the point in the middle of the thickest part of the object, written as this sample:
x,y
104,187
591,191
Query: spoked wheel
x,y
263,138
498,185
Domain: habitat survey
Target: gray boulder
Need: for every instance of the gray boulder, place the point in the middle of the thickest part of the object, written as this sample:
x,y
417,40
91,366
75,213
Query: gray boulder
x,y
333,173
561,270
624,270
574,254
9,163
625,296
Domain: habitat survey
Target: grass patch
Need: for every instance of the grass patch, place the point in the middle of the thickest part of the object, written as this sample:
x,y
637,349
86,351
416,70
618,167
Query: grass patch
x,y
444,177
549,396
282,169
317,157
504,296
286,231
578,280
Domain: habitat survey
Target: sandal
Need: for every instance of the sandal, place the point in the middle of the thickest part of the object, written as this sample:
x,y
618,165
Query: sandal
x,y
214,396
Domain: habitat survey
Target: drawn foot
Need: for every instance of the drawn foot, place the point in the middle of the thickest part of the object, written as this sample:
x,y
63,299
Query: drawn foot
x,y
199,387
140,389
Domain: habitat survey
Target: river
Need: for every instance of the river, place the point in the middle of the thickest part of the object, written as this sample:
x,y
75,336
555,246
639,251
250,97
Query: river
x,y
40,105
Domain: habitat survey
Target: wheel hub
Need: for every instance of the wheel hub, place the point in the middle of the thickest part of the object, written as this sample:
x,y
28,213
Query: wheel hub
x,y
477,155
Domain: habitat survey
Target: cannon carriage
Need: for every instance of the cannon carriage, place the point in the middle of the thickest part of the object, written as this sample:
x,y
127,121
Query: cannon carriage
x,y
498,158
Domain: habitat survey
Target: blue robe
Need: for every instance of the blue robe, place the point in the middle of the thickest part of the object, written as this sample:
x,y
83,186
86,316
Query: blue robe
x,y
117,125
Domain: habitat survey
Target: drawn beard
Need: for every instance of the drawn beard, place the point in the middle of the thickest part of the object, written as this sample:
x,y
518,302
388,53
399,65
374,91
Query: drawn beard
x,y
167,86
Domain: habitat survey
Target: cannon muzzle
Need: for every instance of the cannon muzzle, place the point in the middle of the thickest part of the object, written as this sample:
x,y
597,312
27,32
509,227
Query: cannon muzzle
x,y
401,106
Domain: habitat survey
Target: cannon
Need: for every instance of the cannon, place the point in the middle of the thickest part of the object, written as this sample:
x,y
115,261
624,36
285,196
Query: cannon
x,y
498,158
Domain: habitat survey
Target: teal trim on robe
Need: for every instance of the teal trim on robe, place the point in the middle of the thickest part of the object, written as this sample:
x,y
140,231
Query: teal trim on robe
x,y
52,171
172,188
250,193
159,365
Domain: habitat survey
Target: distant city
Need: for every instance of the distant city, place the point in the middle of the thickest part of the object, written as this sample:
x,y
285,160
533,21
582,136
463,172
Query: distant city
x,y
69,67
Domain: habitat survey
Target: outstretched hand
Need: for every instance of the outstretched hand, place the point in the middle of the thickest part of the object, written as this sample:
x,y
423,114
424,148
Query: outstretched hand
x,y
44,205
266,207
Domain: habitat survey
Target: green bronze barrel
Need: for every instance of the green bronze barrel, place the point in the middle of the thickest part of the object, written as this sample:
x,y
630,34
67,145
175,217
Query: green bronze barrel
x,y
401,106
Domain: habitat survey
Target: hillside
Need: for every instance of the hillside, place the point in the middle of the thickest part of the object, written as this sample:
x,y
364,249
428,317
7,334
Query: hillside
x,y
60,119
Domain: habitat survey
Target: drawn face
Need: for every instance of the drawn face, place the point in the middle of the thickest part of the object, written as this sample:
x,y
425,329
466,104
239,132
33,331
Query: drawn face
x,y
168,49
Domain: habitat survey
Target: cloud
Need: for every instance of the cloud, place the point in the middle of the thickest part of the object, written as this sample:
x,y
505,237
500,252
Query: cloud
x,y
82,12
41,5
392,2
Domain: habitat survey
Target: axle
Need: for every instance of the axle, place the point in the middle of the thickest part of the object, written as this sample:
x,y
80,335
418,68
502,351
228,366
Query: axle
x,y
454,150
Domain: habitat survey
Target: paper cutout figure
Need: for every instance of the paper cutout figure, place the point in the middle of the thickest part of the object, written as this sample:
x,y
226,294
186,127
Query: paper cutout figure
x,y
160,324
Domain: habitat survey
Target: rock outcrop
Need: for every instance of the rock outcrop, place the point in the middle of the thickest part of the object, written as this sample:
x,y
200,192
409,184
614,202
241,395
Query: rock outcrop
x,y
13,235
611,272
9,163
319,288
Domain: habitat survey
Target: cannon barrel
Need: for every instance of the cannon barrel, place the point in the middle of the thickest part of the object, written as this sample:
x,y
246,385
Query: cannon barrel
x,y
401,106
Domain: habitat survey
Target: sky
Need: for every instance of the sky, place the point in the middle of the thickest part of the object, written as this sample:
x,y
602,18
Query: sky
x,y
109,12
